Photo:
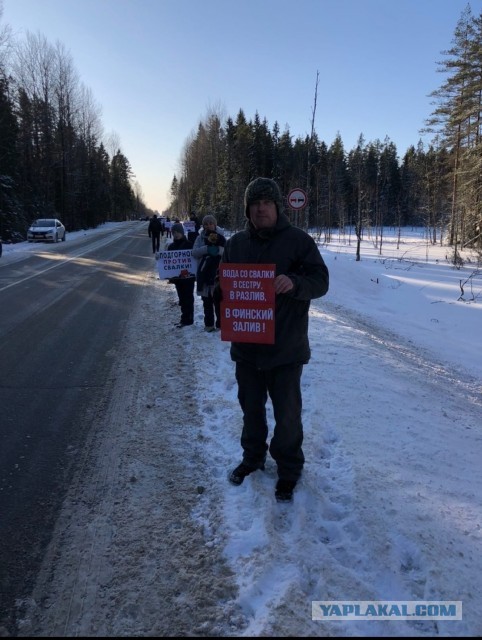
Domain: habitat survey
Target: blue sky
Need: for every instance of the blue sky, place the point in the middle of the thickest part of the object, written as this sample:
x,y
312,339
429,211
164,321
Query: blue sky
x,y
157,67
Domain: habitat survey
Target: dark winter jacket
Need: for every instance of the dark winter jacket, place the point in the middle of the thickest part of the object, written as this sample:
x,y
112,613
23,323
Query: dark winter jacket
x,y
192,235
154,226
183,244
207,264
295,254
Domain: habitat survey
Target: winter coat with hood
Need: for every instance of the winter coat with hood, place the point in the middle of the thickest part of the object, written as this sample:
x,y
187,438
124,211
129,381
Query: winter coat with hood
x,y
182,244
295,254
207,265
154,226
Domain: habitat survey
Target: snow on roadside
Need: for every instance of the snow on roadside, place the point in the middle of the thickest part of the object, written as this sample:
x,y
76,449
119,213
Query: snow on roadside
x,y
388,506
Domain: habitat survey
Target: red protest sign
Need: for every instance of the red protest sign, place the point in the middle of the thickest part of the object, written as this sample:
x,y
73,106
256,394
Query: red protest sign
x,y
247,308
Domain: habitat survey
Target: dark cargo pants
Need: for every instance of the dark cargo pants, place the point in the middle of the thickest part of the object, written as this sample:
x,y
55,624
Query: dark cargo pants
x,y
185,293
283,385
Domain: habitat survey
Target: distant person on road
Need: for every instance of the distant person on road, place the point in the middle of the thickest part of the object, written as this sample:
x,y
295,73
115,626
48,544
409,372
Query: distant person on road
x,y
192,235
154,232
163,228
274,370
208,249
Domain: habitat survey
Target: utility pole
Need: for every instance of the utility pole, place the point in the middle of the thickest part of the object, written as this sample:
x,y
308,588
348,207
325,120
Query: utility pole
x,y
310,147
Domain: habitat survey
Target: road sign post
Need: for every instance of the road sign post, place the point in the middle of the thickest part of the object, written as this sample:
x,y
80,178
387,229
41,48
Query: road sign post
x,y
297,199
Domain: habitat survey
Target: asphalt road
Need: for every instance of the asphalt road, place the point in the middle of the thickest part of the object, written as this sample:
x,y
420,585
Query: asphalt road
x,y
63,310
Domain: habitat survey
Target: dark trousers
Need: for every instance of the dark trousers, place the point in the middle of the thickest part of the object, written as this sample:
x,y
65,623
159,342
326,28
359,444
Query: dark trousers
x,y
185,293
156,241
212,312
283,385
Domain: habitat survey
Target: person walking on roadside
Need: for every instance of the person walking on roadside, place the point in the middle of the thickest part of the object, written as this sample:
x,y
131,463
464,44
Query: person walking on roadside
x,y
275,370
154,232
207,250
185,282
192,235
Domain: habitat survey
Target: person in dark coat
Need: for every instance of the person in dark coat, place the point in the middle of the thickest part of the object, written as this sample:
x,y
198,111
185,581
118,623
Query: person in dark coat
x,y
275,370
154,232
192,235
208,249
185,282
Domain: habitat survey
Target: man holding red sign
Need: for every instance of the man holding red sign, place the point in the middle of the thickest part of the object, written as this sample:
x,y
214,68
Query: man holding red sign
x,y
269,274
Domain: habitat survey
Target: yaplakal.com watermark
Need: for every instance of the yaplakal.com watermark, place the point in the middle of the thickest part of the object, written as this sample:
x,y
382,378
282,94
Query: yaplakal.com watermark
x,y
386,610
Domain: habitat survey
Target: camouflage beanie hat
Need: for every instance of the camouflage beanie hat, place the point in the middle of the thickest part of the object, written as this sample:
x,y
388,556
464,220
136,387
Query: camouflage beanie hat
x,y
262,189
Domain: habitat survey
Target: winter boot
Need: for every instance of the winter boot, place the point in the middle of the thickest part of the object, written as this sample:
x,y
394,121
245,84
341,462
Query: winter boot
x,y
284,490
239,474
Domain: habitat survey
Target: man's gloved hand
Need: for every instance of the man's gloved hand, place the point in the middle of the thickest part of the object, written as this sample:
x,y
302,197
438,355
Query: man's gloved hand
x,y
213,251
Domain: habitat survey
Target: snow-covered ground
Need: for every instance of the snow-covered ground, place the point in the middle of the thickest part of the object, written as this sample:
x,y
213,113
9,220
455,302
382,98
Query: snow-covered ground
x,y
154,540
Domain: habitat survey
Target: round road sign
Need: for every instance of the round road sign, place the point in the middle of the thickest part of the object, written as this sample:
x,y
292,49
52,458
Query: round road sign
x,y
297,199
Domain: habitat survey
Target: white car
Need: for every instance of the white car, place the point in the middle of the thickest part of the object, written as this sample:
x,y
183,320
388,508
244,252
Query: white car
x,y
46,229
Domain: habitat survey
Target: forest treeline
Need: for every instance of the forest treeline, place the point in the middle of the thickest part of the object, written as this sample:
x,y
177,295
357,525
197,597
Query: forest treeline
x,y
365,187
55,162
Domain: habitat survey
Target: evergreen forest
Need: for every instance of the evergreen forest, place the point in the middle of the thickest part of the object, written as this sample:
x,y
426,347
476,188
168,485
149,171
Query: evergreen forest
x,y
54,161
